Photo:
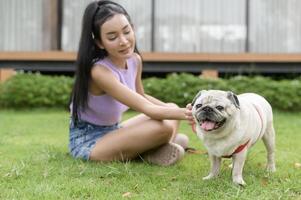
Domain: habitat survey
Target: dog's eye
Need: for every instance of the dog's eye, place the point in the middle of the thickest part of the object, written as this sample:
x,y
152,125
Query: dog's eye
x,y
220,108
198,105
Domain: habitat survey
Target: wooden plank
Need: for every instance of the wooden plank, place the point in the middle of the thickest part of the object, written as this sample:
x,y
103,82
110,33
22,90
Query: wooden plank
x,y
161,57
221,57
209,73
6,74
50,25
38,56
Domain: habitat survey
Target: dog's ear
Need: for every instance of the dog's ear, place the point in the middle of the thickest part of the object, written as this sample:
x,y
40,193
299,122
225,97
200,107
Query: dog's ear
x,y
196,96
233,98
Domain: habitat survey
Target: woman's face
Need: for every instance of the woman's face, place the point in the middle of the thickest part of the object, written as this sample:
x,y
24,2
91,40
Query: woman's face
x,y
117,37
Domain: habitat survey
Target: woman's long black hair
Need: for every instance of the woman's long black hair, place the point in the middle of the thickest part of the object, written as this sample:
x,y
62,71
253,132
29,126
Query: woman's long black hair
x,y
95,15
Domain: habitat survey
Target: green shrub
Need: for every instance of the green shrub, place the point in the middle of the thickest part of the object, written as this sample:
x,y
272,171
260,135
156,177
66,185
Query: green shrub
x,y
35,90
181,88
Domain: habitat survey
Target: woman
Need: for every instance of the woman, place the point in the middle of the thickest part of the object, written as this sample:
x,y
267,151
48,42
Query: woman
x,y
107,83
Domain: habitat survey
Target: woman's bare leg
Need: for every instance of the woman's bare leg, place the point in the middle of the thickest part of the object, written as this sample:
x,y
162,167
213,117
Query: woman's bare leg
x,y
142,118
136,136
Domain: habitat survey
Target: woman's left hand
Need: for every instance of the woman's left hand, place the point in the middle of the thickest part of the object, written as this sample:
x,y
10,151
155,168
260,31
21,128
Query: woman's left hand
x,y
188,114
189,117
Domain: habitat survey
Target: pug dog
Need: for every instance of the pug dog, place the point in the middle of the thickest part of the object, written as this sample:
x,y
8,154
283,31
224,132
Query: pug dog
x,y
229,125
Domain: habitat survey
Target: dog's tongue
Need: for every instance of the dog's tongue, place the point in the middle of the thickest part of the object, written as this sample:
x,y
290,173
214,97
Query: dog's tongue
x,y
207,125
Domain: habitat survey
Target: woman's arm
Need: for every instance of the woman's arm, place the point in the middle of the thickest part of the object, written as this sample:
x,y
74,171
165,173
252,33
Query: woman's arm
x,y
106,81
155,101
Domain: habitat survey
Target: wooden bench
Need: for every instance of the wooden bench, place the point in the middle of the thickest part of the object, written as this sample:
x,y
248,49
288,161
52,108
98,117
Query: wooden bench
x,y
160,57
215,62
156,62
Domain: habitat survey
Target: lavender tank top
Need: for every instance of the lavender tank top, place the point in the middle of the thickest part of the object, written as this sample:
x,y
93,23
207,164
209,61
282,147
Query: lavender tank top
x,y
104,110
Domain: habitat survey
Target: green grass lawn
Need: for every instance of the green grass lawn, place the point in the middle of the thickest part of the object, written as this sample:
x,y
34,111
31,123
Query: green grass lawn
x,y
35,164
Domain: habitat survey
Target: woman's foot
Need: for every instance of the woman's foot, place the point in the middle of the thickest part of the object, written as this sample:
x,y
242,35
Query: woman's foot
x,y
182,140
166,155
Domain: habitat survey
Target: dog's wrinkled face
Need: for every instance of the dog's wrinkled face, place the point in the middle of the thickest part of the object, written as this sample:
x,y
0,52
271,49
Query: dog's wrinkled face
x,y
213,109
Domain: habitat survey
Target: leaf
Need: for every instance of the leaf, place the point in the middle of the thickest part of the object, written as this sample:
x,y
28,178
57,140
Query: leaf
x,y
126,194
195,151
298,165
264,181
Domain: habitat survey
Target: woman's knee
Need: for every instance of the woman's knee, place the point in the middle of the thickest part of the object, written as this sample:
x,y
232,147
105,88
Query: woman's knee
x,y
166,130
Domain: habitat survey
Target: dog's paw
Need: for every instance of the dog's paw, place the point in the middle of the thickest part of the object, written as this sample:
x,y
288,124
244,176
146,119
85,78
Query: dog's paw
x,y
210,176
239,181
271,168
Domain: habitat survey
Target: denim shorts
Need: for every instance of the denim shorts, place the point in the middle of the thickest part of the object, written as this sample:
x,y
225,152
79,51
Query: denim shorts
x,y
83,137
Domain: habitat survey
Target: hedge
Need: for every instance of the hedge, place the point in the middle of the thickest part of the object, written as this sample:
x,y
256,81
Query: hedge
x,y
181,88
36,90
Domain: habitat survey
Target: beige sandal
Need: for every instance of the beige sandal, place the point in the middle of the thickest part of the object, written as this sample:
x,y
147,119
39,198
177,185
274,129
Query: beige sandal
x,y
165,155
182,140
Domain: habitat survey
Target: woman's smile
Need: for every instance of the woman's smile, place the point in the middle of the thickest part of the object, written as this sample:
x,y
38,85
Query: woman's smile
x,y
126,50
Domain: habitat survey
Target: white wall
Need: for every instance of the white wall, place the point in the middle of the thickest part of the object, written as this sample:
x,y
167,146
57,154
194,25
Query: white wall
x,y
180,25
21,25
